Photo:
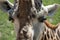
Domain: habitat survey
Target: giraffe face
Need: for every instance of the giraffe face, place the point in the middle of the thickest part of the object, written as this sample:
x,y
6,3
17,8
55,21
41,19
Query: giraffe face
x,y
24,17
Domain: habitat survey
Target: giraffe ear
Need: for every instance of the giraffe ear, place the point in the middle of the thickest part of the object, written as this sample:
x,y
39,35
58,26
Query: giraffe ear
x,y
5,5
51,13
52,9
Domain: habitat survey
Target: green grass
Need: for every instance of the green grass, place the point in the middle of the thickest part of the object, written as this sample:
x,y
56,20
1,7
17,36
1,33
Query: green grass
x,y
7,27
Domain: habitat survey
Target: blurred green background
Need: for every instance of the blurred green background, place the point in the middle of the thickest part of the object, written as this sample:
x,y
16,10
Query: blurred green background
x,y
7,27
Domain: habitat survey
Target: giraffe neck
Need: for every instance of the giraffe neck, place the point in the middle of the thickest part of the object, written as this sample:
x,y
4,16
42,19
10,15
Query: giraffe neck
x,y
50,34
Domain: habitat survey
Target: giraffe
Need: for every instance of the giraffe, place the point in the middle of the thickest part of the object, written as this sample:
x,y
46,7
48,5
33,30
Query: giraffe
x,y
33,21
25,15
